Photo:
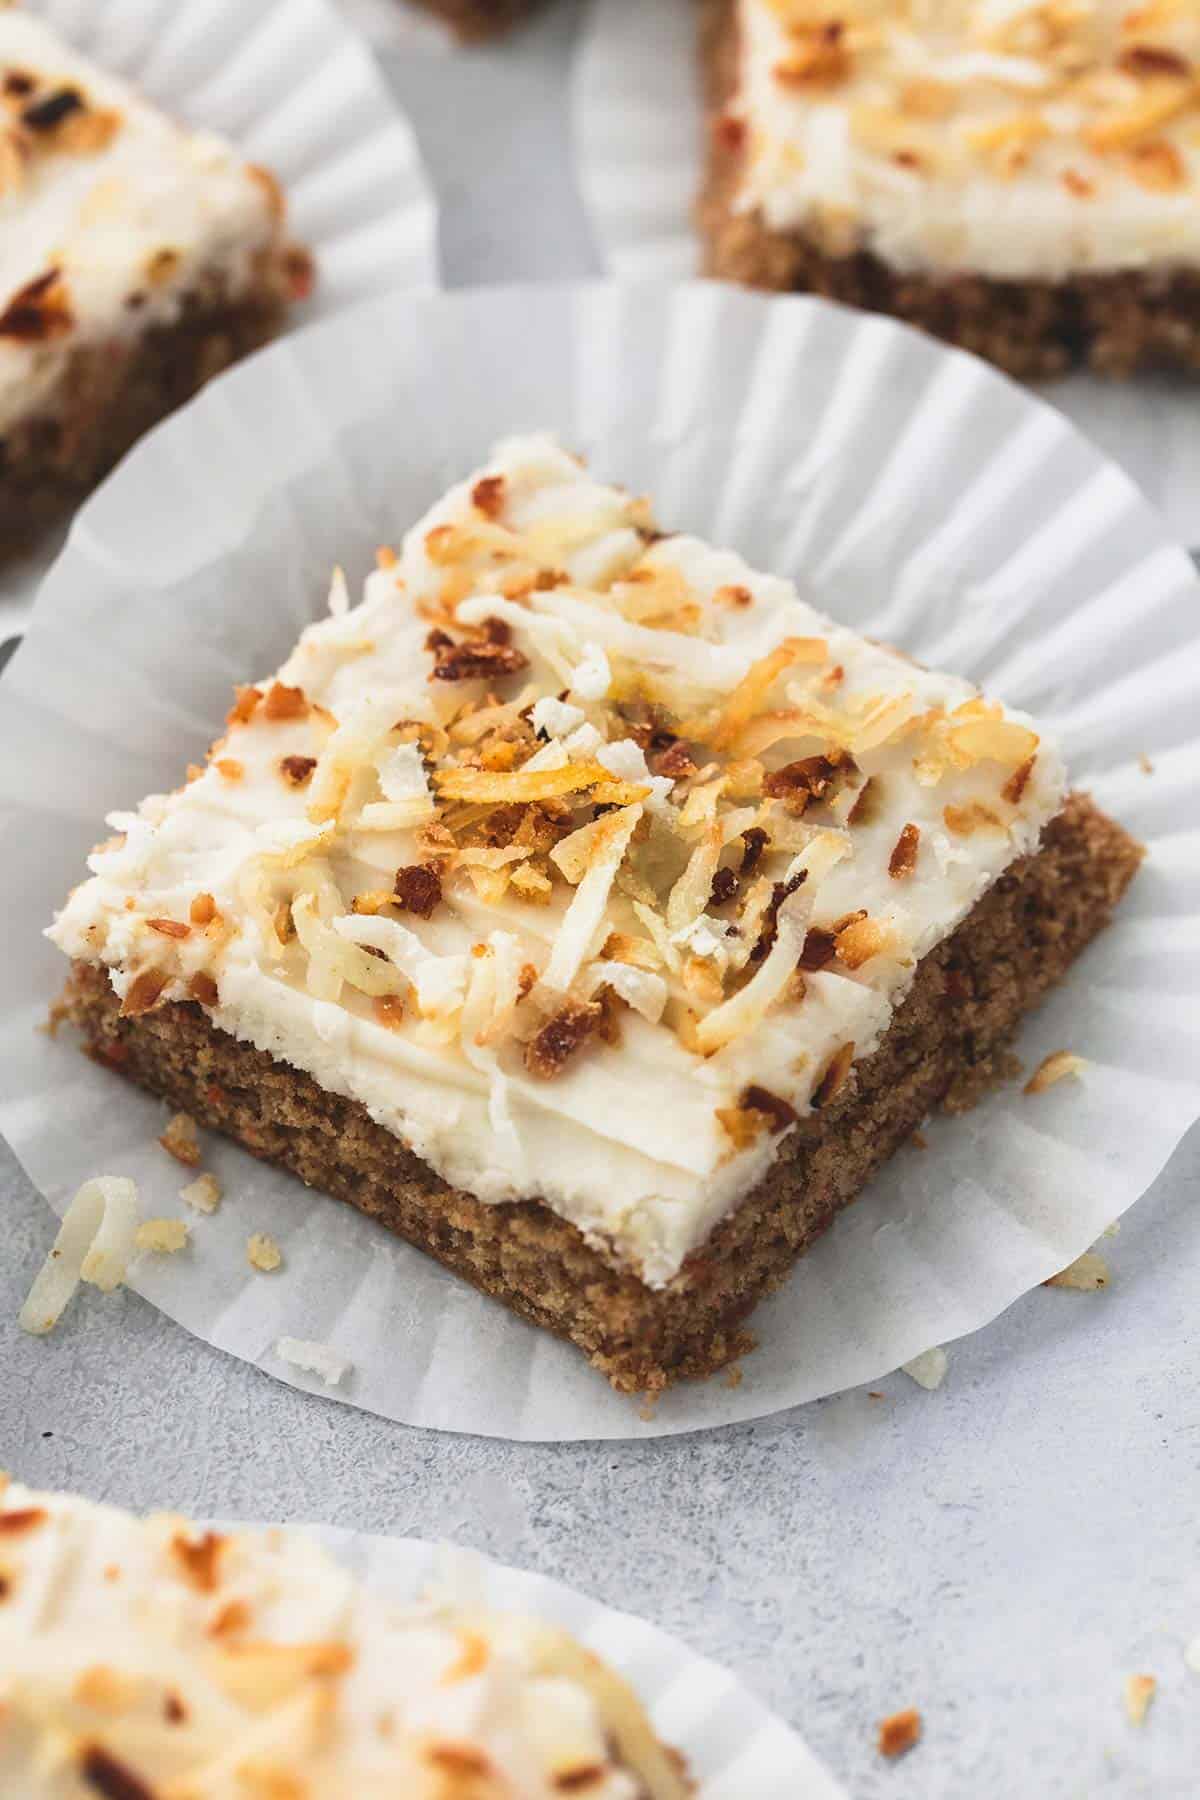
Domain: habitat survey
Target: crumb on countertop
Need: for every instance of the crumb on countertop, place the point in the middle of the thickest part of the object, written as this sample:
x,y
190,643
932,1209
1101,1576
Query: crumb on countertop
x,y
899,1732
1139,1692
204,1193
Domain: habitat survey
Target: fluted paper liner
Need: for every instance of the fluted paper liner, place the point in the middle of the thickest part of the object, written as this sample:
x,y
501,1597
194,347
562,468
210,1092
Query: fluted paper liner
x,y
639,138
294,87
734,1745
914,494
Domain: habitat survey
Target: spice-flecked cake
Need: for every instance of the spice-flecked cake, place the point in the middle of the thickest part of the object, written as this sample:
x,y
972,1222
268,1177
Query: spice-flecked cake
x,y
590,910
1017,176
136,260
159,1660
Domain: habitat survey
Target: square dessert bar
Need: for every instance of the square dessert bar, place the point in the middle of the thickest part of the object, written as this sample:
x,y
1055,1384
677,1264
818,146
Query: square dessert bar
x,y
136,260
590,910
155,1657
1016,176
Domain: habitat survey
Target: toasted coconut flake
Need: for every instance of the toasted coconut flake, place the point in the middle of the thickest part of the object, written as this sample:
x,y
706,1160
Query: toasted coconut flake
x,y
332,960
862,939
903,859
1086,1275
929,1369
747,697
899,1732
1055,1067
143,993
172,928
94,1243
313,1359
639,988
749,1005
584,917
181,1139
1139,1692
964,821
837,1073
439,981
282,702
203,910
519,786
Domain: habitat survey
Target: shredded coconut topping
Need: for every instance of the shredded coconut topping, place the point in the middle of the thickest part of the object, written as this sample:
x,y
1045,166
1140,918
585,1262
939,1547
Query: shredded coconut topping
x,y
550,919
155,1657
1031,142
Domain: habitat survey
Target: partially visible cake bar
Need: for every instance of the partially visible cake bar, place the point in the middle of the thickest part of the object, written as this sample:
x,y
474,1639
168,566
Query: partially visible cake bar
x,y
591,910
1019,177
143,1658
136,260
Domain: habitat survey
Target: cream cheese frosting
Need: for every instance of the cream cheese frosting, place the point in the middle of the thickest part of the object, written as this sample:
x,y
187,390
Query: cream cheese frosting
x,y
586,858
1016,139
110,213
157,1658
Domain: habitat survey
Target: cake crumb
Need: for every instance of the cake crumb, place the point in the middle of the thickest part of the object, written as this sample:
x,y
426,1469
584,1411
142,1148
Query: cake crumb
x,y
1087,1273
1052,1068
919,1141
929,1369
204,1193
313,1358
876,1394
262,1252
899,1732
182,1140
734,1376
164,1236
1139,1692
1145,765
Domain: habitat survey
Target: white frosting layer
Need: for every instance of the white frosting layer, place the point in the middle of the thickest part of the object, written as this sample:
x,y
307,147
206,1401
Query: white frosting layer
x,y
252,1663
131,209
638,1143
1018,139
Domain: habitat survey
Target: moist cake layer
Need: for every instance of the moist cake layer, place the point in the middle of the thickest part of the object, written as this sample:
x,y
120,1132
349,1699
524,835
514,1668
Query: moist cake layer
x,y
113,219
588,860
945,1044
157,1657
1015,140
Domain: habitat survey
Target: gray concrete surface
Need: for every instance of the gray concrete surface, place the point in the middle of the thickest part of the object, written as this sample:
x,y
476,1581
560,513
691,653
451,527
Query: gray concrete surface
x,y
1001,1553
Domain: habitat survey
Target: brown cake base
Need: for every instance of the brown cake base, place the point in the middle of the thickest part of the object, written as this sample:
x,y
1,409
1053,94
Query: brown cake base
x,y
946,1043
109,395
1114,324
474,20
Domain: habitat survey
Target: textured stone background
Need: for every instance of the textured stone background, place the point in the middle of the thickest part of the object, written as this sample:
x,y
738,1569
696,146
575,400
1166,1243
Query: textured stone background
x,y
1001,1553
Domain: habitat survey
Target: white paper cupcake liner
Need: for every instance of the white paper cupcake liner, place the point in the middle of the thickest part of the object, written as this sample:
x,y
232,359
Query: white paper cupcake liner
x,y
639,135
292,84
914,493
734,1745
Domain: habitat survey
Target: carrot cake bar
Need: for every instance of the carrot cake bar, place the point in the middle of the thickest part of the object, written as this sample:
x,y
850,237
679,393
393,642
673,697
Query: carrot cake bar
x,y
1019,177
150,1658
590,910
136,260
